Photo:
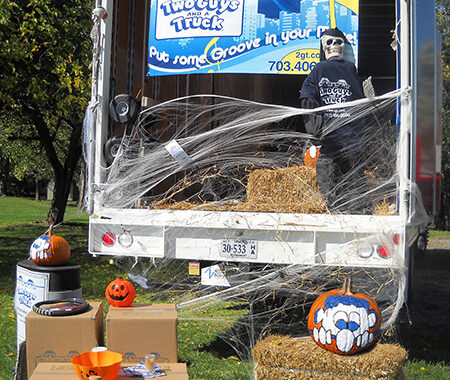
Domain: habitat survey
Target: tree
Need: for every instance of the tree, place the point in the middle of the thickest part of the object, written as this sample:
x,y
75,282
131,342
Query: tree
x,y
20,147
45,80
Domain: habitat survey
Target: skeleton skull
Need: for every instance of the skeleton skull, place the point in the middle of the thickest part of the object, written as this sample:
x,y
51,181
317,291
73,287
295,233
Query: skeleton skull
x,y
333,47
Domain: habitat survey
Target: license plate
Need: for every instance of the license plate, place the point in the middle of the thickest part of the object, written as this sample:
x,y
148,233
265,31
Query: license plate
x,y
238,248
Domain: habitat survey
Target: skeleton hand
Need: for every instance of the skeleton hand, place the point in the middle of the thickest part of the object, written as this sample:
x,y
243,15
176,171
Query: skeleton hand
x,y
369,91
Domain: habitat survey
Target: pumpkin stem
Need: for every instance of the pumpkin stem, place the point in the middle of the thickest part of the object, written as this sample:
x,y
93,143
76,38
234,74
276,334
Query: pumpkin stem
x,y
347,287
50,230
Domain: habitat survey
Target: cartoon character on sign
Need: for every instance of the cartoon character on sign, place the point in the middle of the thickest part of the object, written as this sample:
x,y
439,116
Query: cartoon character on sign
x,y
344,322
38,249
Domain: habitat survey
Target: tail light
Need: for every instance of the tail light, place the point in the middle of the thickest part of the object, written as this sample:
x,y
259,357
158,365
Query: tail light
x,y
384,251
108,239
397,239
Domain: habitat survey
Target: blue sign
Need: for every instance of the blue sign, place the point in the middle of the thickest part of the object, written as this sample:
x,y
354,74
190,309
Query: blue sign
x,y
244,36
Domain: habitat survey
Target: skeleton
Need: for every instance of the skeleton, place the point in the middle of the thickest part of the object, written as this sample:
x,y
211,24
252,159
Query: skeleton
x,y
334,80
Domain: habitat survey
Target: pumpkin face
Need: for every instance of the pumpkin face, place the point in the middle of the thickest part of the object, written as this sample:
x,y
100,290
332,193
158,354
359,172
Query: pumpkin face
x,y
50,250
344,322
120,293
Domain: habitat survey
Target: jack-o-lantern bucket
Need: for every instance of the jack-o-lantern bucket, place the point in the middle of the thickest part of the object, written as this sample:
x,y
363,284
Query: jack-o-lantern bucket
x,y
344,322
105,364
120,292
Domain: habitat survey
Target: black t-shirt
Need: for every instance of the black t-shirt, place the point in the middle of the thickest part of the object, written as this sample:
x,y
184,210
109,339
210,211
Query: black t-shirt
x,y
333,82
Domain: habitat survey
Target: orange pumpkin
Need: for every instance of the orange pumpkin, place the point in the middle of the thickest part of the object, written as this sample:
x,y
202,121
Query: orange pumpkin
x,y
344,322
311,156
120,292
50,249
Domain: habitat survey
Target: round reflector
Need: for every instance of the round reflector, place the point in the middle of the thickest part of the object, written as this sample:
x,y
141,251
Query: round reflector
x,y
126,239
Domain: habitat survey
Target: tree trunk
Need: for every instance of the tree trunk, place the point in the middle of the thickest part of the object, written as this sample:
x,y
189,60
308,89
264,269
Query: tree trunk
x,y
6,179
37,196
60,197
80,204
63,174
64,177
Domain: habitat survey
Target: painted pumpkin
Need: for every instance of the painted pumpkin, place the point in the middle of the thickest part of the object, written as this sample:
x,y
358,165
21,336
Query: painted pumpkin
x,y
120,292
50,249
344,322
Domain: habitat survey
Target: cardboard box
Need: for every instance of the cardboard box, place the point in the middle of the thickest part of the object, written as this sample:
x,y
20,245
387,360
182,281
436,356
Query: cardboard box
x,y
142,329
64,371
57,339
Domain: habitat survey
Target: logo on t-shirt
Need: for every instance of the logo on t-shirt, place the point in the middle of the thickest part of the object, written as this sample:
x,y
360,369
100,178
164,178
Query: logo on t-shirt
x,y
335,93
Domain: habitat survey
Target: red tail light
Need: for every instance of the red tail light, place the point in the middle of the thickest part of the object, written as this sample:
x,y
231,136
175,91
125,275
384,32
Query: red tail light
x,y
108,239
397,239
383,251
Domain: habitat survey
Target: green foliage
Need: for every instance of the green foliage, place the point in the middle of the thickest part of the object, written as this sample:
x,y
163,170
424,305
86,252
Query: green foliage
x,y
20,145
45,56
44,88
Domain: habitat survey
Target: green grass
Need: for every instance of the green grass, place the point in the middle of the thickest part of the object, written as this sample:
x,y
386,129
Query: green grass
x,y
20,225
8,341
422,370
21,222
439,234
15,211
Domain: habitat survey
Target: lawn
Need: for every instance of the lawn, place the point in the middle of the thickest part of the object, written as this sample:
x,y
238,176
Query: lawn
x,y
15,211
21,222
96,272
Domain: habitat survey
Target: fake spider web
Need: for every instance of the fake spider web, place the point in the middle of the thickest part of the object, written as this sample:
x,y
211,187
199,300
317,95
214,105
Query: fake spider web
x,y
211,153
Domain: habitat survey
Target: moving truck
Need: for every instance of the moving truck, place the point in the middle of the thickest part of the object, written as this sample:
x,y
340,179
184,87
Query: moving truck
x,y
395,42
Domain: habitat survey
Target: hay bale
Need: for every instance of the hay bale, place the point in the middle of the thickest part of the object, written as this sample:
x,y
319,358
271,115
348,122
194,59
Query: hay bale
x,y
385,208
281,357
290,189
269,373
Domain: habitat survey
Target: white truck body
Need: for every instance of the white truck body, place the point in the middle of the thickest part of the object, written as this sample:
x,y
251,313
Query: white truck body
x,y
277,238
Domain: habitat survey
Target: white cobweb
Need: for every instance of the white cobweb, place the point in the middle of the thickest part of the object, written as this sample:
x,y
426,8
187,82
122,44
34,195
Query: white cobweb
x,y
213,153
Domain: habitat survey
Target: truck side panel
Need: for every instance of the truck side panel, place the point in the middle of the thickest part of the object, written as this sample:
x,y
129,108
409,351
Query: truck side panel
x,y
426,125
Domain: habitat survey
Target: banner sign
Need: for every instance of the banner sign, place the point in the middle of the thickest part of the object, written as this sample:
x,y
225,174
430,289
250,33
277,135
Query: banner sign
x,y
245,36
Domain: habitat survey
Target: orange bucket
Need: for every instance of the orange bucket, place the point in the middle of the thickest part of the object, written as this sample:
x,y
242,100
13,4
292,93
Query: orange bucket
x,y
105,364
